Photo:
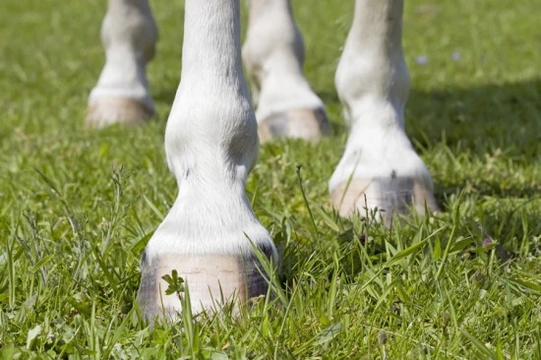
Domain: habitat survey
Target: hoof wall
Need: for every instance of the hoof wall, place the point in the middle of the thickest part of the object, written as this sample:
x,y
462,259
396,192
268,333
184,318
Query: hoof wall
x,y
212,281
105,112
307,124
388,196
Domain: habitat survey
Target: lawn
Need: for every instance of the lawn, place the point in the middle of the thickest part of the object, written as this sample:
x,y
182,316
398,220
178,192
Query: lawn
x,y
77,206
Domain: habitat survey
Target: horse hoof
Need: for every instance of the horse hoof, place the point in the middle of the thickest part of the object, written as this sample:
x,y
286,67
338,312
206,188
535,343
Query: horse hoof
x,y
307,124
105,112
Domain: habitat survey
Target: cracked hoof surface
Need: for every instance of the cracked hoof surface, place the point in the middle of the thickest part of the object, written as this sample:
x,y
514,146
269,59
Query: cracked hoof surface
x,y
307,124
212,281
389,196
105,112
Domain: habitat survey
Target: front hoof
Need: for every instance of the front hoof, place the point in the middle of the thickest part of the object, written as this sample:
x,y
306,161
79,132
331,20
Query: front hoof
x,y
388,196
307,124
212,281
108,111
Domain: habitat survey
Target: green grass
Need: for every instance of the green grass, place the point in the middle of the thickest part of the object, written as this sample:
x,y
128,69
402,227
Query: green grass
x,y
77,206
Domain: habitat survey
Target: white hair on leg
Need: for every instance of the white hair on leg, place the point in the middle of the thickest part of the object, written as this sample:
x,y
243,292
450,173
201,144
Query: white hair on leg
x,y
122,95
379,167
274,57
210,233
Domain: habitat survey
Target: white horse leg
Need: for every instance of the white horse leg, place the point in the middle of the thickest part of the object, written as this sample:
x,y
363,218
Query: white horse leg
x,y
210,233
121,95
274,55
379,168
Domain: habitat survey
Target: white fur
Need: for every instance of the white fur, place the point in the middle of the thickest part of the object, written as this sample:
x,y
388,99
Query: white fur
x,y
274,57
210,141
129,35
372,82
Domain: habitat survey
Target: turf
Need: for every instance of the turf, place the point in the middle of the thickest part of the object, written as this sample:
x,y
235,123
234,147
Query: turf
x,y
77,206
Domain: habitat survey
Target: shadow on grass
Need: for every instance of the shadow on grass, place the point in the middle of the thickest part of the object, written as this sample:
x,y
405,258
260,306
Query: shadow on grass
x,y
480,119
481,122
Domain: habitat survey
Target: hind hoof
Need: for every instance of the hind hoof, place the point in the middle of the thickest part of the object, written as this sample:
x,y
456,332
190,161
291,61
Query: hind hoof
x,y
105,112
307,124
